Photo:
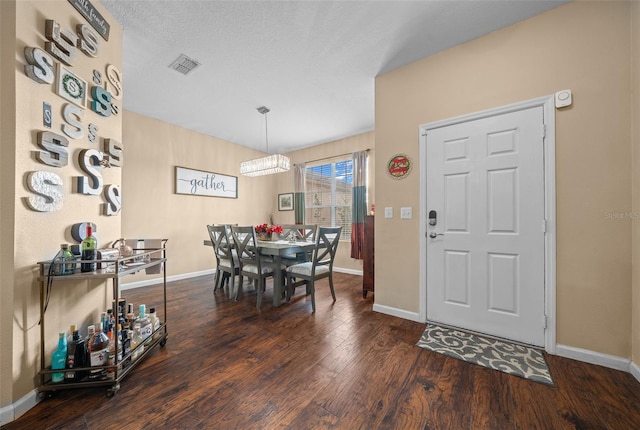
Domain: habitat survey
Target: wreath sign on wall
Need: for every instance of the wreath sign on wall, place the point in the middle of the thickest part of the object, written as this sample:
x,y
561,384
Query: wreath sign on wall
x,y
399,166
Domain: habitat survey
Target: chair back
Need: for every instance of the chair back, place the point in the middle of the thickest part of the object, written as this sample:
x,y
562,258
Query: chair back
x,y
222,247
301,232
327,240
245,241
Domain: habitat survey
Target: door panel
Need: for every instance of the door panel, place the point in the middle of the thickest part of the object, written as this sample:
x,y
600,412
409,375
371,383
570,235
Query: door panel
x,y
485,265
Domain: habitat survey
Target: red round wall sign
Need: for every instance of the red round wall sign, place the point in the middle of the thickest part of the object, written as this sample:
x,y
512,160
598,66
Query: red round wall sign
x,y
399,166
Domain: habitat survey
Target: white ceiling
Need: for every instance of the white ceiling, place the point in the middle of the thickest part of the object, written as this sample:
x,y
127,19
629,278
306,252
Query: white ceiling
x,y
313,63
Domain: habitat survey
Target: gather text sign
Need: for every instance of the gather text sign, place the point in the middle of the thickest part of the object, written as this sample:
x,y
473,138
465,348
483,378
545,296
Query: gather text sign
x,y
201,183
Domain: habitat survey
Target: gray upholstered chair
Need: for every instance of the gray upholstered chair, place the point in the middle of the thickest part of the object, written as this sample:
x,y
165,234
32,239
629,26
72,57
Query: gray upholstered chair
x,y
226,257
252,265
321,265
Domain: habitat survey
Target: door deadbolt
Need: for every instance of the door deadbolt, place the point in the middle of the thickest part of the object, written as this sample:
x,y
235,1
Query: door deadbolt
x,y
433,218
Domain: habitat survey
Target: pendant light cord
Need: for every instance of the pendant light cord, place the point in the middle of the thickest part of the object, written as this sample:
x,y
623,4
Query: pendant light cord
x,y
266,131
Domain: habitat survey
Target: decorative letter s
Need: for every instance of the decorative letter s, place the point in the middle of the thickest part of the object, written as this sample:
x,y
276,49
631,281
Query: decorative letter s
x,y
47,186
114,200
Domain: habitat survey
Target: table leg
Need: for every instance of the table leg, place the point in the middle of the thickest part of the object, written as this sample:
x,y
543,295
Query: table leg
x,y
277,280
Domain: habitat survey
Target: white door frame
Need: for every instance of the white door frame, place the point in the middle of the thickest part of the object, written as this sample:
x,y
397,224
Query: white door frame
x,y
549,160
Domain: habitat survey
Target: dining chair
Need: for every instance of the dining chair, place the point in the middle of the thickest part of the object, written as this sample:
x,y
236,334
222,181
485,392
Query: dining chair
x,y
320,266
226,257
299,233
252,264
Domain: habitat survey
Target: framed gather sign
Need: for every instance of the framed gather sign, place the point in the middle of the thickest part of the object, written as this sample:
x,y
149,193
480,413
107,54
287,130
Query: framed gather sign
x,y
201,183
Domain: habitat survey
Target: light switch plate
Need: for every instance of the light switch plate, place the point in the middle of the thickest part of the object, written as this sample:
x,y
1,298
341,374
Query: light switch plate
x,y
406,213
388,212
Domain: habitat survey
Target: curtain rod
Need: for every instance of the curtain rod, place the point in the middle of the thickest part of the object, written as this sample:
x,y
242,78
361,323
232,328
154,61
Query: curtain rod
x,y
334,156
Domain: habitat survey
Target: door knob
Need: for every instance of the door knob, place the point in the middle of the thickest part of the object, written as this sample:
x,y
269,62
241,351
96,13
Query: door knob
x,y
433,234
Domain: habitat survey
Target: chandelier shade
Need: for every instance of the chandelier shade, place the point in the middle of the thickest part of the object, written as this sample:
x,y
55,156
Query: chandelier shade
x,y
275,163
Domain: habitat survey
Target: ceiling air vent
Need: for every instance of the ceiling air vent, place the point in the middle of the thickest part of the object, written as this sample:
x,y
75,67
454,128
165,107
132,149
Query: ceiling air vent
x,y
184,64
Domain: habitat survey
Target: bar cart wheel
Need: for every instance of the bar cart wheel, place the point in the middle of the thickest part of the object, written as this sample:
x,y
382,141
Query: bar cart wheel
x,y
163,342
112,391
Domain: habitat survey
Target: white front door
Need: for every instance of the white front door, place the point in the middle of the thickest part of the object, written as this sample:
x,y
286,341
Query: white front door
x,y
485,251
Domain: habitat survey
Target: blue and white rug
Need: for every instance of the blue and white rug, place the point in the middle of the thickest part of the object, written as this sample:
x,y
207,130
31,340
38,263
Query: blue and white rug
x,y
494,354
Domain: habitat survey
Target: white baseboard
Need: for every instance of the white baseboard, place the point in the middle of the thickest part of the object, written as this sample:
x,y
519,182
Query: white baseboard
x,y
634,369
157,280
610,361
15,410
348,271
400,313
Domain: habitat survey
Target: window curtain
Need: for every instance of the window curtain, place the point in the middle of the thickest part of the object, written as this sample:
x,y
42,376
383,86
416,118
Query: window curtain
x,y
358,203
299,177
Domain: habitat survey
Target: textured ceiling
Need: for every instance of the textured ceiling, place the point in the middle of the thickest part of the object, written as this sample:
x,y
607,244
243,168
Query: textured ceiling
x,y
313,63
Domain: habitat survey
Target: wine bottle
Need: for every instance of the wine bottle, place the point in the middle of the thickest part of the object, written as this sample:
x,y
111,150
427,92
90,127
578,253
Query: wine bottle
x,y
76,357
89,248
59,358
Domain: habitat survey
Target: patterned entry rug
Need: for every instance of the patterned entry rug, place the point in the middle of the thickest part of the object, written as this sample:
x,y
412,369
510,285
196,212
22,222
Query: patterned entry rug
x,y
506,357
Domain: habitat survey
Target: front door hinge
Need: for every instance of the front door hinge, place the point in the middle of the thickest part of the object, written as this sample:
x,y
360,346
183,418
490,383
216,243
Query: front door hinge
x,y
544,131
544,322
544,225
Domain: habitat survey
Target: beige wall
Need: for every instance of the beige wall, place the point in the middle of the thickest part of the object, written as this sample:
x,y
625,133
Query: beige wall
x,y
556,50
36,236
7,196
635,23
151,209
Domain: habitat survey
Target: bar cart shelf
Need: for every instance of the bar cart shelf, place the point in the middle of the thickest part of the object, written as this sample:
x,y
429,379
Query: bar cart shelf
x,y
143,259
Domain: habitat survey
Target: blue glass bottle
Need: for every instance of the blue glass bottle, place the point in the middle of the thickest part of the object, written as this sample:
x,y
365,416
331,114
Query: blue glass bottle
x,y
59,358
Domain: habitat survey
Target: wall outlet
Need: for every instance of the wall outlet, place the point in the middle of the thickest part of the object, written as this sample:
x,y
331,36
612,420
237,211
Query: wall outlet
x,y
406,213
388,212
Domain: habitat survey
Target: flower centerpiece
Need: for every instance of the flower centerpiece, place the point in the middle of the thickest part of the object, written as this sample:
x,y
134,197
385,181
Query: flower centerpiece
x,y
268,231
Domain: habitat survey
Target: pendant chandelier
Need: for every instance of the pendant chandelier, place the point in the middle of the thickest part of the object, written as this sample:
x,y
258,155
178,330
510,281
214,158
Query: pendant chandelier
x,y
275,163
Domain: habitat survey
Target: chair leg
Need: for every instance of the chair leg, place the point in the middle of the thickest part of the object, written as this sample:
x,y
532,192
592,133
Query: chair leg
x,y
238,289
216,284
287,288
260,288
233,284
333,293
312,289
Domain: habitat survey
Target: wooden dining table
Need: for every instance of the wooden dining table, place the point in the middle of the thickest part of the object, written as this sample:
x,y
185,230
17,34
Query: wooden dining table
x,y
276,249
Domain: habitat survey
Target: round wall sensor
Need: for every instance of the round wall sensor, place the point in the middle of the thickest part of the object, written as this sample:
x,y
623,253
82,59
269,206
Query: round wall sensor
x,y
563,98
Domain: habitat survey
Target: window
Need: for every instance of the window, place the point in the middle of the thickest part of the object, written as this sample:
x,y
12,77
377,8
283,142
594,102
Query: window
x,y
328,195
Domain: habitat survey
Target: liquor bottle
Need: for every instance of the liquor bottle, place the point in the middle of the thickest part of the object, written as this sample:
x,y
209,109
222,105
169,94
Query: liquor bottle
x,y
98,348
64,261
144,322
76,357
126,347
155,322
72,328
69,259
59,358
137,344
89,248
104,322
70,348
114,341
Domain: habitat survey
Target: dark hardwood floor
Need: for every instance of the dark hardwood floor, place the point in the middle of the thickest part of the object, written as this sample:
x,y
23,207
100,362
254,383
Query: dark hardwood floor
x,y
228,366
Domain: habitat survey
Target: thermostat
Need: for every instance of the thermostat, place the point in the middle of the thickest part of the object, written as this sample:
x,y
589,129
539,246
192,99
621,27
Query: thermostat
x,y
563,98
